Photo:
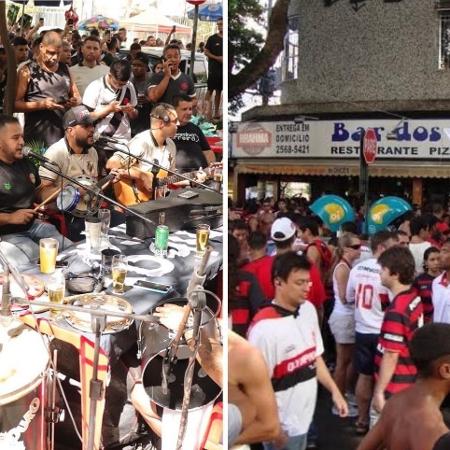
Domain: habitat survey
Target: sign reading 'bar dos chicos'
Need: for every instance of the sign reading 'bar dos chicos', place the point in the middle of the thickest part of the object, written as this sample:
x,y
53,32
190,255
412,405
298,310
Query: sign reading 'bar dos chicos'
x,y
370,146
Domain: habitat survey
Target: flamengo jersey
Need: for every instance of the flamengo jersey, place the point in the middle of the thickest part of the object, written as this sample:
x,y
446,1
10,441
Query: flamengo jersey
x,y
403,316
290,343
370,297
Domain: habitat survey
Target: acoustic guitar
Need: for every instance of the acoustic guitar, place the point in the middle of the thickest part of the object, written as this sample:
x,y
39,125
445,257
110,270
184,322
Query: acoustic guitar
x,y
132,191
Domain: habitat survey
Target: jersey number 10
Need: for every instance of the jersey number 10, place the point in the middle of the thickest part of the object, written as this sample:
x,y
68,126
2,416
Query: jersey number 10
x,y
364,296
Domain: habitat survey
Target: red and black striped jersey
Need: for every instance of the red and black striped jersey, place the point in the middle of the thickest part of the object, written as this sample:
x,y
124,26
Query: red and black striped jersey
x,y
423,283
403,316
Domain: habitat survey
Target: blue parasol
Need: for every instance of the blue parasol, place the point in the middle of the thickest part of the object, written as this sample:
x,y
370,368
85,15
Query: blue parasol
x,y
209,12
333,210
384,211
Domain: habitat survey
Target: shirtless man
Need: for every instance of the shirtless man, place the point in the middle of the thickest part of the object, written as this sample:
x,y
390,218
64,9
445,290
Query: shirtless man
x,y
411,419
252,403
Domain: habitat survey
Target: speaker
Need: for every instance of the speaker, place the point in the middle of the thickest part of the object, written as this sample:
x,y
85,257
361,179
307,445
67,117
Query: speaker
x,y
181,213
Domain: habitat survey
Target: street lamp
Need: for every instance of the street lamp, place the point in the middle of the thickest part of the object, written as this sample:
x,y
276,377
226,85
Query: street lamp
x,y
196,4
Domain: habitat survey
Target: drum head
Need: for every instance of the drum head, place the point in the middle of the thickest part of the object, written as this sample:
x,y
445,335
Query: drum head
x,y
204,390
82,321
23,359
67,199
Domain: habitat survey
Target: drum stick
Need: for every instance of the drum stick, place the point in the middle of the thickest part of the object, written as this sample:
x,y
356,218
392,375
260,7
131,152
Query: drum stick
x,y
181,328
49,198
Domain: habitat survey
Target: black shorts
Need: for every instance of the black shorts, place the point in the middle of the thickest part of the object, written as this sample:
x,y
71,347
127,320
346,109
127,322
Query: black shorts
x,y
365,350
215,82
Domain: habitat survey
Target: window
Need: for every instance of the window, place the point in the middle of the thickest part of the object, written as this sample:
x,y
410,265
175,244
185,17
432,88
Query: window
x,y
291,53
444,40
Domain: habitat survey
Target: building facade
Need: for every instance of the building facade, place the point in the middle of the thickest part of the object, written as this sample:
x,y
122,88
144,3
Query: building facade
x,y
351,65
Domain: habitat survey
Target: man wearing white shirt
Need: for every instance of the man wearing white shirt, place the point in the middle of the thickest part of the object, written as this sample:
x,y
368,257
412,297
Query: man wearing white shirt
x,y
364,288
441,287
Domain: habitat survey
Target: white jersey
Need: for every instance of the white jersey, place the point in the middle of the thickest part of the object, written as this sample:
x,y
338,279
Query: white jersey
x,y
364,288
441,299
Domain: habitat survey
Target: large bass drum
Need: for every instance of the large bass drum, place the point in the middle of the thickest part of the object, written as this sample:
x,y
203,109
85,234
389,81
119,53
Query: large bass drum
x,y
154,341
23,364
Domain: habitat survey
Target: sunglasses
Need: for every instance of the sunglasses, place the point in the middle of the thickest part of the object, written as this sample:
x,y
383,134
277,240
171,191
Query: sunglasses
x,y
355,246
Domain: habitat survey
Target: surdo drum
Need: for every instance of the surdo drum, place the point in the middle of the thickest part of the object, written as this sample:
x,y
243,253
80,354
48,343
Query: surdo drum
x,y
154,340
23,365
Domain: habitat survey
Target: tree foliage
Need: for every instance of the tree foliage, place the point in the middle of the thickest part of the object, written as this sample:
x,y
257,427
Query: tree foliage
x,y
249,58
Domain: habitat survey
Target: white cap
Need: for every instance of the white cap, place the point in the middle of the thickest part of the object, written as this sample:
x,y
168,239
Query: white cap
x,y
282,229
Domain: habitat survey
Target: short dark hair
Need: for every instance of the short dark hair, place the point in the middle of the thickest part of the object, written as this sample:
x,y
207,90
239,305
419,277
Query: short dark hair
x,y
238,224
171,47
19,40
430,343
349,227
287,243
122,29
181,98
93,39
135,46
308,223
427,253
287,263
113,43
120,70
380,238
5,119
399,261
424,222
257,240
161,110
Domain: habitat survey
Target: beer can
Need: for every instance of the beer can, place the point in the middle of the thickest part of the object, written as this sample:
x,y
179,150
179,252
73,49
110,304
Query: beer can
x,y
162,237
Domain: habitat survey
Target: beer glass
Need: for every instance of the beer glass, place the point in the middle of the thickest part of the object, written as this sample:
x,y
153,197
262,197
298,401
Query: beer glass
x,y
48,251
93,234
105,218
119,267
202,237
56,289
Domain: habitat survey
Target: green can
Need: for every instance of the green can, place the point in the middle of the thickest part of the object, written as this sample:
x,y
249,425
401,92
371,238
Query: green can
x,y
162,238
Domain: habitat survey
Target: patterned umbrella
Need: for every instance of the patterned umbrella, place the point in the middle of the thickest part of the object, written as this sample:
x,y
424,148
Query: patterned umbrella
x,y
209,12
333,210
100,22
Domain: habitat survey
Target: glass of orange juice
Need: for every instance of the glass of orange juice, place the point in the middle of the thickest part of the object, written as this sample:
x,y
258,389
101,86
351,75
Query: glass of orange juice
x,y
48,251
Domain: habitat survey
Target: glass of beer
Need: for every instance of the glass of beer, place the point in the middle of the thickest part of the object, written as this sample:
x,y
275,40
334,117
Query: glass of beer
x,y
48,250
56,289
202,237
119,268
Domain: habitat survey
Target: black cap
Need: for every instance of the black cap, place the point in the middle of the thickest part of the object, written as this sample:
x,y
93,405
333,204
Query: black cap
x,y
78,115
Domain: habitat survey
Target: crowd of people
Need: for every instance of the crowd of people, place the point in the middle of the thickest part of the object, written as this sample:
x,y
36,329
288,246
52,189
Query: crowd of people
x,y
77,101
312,302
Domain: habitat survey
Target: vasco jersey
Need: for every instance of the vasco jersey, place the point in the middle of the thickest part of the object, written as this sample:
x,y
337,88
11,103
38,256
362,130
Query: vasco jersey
x,y
402,318
290,343
370,297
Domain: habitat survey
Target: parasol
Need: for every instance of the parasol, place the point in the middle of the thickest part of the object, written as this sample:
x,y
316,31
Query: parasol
x,y
333,210
209,12
384,211
100,23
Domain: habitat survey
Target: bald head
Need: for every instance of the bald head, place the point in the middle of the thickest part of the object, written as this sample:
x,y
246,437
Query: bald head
x,y
49,51
52,38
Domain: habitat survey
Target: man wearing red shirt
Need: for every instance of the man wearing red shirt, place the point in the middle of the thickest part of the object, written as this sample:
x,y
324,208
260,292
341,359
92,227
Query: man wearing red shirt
x,y
396,370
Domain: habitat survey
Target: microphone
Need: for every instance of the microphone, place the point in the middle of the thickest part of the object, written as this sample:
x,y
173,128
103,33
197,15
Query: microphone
x,y
28,151
99,137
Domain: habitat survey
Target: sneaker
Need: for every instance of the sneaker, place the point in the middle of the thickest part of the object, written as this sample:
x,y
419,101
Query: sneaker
x,y
352,411
351,399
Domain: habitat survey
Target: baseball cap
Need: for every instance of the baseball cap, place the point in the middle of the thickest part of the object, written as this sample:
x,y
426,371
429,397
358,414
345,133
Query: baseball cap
x,y
78,115
282,229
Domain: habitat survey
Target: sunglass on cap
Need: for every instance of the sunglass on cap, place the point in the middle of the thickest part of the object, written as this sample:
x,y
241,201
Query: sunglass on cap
x,y
355,246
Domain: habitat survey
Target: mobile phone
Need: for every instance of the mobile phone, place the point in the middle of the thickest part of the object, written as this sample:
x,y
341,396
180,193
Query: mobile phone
x,y
188,194
150,285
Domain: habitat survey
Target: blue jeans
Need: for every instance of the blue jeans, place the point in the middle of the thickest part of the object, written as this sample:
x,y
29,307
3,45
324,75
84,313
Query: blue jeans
x,y
23,248
293,443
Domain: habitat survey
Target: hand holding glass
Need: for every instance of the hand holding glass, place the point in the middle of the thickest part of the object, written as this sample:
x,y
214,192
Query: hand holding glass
x,y
202,238
119,269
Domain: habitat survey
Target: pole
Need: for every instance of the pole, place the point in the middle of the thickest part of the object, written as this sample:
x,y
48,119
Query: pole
x,y
364,182
194,42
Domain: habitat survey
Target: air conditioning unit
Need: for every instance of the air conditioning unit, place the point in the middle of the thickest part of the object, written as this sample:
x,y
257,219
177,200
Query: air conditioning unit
x,y
442,4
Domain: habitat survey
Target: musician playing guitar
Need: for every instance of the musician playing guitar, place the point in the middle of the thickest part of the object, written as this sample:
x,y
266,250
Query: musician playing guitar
x,y
137,179
73,156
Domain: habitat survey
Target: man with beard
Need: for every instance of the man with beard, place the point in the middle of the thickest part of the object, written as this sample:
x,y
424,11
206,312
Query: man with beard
x,y
20,231
74,156
45,90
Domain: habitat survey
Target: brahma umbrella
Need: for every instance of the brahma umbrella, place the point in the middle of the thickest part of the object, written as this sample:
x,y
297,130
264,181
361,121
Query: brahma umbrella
x,y
209,12
100,23
333,210
384,211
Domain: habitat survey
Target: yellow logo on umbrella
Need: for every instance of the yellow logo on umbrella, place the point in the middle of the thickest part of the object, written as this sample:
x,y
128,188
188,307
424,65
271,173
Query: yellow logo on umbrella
x,y
335,212
378,212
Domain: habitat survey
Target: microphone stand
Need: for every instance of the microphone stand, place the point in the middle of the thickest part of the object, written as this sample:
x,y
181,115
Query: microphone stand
x,y
97,192
153,163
